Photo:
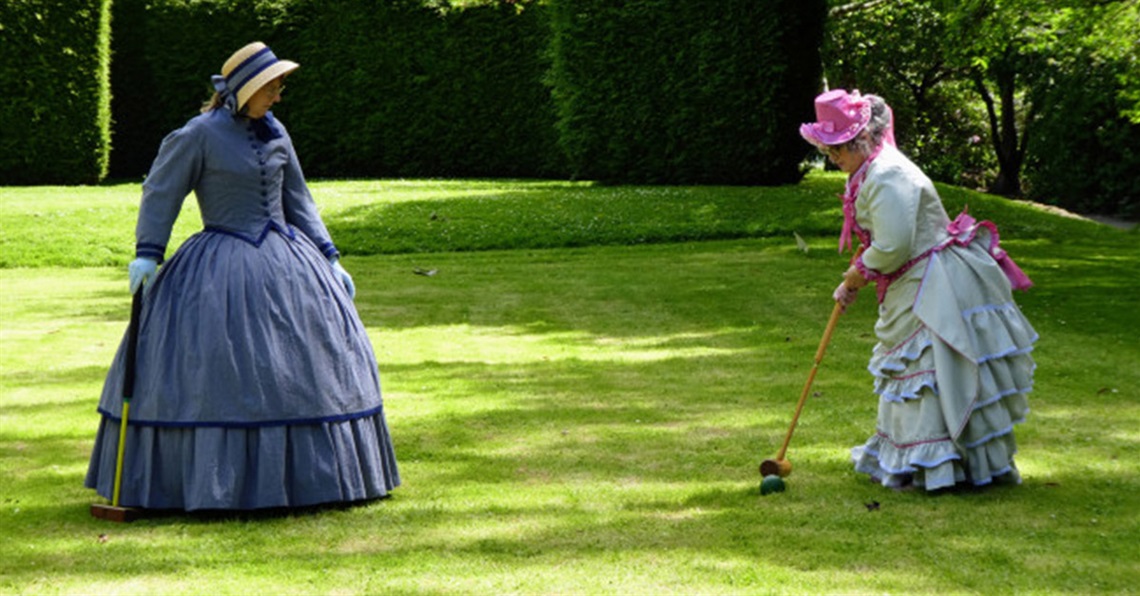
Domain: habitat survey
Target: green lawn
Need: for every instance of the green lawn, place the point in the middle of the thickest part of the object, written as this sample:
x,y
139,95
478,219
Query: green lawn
x,y
579,398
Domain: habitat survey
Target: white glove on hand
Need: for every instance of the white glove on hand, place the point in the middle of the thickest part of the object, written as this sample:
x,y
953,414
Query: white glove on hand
x,y
141,272
845,295
345,278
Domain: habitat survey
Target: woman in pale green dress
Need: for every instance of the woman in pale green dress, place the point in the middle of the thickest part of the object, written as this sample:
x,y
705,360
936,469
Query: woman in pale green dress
x,y
953,364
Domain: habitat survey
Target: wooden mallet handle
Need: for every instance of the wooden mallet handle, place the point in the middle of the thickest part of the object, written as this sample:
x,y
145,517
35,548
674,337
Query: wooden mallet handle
x,y
835,312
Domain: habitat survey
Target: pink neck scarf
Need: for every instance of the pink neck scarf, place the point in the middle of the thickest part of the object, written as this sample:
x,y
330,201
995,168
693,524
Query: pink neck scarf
x,y
851,190
850,193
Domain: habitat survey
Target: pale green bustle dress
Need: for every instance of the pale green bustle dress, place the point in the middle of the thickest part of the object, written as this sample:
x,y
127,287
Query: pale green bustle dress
x,y
953,365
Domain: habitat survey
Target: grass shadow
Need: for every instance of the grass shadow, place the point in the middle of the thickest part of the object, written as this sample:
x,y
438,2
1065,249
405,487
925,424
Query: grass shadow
x,y
568,418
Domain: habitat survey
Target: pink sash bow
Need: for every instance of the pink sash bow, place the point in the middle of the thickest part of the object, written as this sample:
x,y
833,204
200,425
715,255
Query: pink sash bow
x,y
965,227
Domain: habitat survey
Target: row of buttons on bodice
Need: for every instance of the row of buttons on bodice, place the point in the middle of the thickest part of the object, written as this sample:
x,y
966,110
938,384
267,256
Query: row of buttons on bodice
x,y
259,148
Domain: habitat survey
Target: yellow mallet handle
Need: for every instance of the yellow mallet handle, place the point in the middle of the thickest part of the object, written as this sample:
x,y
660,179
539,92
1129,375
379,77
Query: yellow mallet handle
x,y
119,458
128,388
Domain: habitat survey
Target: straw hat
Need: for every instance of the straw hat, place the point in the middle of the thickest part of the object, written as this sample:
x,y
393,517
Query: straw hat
x,y
840,116
250,68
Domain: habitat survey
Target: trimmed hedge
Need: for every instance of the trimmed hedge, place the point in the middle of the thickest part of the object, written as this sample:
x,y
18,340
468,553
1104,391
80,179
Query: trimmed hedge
x,y
686,91
165,52
411,90
393,88
689,91
55,117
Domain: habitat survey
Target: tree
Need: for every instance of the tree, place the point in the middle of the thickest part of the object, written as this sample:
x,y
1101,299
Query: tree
x,y
1086,141
1002,49
997,45
895,49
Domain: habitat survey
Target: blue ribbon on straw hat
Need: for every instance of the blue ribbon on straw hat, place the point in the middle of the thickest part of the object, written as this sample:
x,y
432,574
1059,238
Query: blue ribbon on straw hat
x,y
246,71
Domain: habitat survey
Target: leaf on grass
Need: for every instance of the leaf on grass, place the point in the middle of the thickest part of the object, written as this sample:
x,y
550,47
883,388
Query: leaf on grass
x,y
872,506
424,272
103,538
803,246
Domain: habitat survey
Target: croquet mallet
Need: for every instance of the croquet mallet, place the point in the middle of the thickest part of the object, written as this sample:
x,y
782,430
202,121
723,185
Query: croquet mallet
x,y
114,512
781,466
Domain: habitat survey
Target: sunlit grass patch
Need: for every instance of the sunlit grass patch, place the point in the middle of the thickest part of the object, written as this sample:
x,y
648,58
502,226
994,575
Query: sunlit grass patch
x,y
588,419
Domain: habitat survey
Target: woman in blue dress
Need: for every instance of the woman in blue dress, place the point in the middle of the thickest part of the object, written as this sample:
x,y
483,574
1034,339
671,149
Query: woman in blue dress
x,y
256,384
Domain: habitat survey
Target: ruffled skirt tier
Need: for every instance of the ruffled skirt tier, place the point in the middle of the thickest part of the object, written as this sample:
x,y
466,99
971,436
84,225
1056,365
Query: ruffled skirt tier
x,y
952,370
213,468
917,443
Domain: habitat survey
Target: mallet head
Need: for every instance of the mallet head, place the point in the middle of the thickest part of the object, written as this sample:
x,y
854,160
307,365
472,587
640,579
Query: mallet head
x,y
775,467
115,514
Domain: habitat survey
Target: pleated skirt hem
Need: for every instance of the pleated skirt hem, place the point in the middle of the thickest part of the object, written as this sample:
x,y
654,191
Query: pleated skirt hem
x,y
938,464
210,468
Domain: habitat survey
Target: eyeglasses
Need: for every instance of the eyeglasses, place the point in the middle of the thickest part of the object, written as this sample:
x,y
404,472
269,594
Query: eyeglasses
x,y
275,91
830,151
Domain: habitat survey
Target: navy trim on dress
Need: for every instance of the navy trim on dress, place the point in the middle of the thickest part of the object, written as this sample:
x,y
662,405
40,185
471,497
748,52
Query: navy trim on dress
x,y
328,249
151,251
287,231
283,422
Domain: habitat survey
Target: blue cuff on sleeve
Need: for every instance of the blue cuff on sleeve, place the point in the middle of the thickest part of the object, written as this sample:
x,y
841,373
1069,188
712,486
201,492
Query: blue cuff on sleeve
x,y
329,250
150,251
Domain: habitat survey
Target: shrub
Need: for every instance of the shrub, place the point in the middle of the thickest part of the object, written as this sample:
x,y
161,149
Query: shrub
x,y
55,118
165,52
886,49
1083,154
653,91
394,88
685,91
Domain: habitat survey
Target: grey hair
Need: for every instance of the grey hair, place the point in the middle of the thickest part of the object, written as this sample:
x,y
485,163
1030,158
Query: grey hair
x,y
872,135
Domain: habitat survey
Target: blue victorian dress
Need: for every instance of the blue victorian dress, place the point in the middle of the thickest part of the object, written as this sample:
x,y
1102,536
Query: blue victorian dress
x,y
256,384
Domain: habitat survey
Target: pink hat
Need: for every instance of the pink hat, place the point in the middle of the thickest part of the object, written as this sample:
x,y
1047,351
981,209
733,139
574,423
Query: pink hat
x,y
840,116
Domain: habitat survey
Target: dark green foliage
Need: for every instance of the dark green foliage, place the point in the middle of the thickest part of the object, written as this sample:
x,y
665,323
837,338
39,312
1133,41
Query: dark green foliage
x,y
55,117
664,91
685,91
165,52
1061,77
1084,156
386,88
895,50
397,88
490,87
353,95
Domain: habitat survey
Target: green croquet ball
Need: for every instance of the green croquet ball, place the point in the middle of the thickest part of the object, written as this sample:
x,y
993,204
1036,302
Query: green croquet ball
x,y
771,484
